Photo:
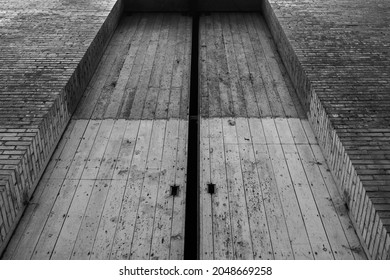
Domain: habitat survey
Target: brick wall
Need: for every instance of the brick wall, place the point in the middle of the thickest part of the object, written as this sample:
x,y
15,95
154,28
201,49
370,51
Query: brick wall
x,y
49,51
337,54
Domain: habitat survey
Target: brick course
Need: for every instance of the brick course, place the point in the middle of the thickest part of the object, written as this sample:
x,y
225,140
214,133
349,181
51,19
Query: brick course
x,y
49,51
337,54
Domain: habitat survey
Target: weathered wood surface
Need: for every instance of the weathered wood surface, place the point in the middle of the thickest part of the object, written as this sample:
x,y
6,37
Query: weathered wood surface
x,y
241,73
144,74
107,194
106,191
275,197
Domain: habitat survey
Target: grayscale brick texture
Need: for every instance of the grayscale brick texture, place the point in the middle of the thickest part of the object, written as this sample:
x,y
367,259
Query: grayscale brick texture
x,y
337,54
48,53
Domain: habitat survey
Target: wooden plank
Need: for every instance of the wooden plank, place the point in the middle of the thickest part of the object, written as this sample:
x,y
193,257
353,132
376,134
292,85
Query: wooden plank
x,y
281,247
309,132
66,157
242,239
149,110
126,224
339,205
166,78
133,84
83,150
150,45
270,131
102,73
259,79
184,101
314,227
136,55
101,249
203,81
95,157
222,69
206,215
278,82
53,225
295,225
244,74
260,234
223,247
111,81
37,221
117,96
162,104
212,74
179,59
290,87
161,53
276,220
89,226
126,151
139,98
266,95
108,162
328,214
257,131
237,97
174,103
178,215
67,237
284,132
297,131
142,239
160,245
177,74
